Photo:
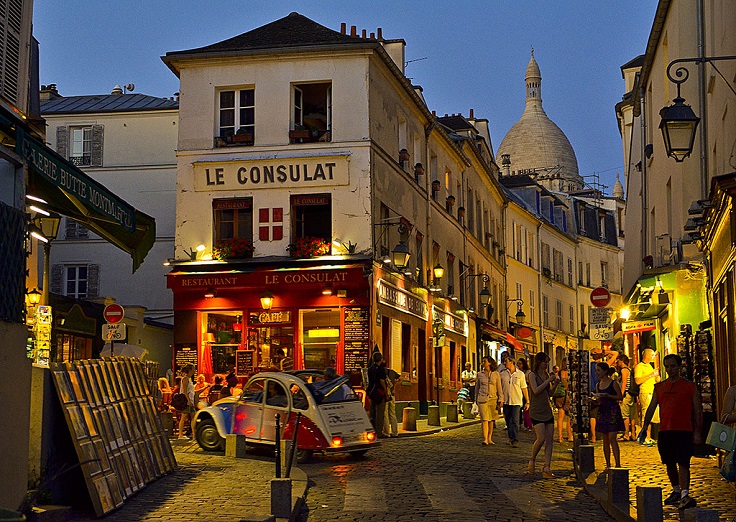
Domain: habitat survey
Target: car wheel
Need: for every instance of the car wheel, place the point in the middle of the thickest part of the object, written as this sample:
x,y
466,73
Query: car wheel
x,y
208,437
303,455
359,453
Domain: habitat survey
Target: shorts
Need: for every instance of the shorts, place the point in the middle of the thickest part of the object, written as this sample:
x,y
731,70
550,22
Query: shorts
x,y
560,403
644,400
629,408
676,447
551,420
488,411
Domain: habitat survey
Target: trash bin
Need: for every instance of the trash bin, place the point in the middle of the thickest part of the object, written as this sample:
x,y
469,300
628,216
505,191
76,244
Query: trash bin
x,y
7,515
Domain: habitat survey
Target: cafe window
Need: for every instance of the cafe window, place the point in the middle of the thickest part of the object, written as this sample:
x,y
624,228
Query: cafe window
x,y
233,218
269,332
222,337
320,337
237,115
311,217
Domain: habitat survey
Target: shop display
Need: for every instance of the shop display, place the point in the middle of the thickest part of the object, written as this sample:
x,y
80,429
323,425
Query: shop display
x,y
117,433
578,362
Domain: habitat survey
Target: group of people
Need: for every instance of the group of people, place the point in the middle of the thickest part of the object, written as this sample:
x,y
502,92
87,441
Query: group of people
x,y
380,389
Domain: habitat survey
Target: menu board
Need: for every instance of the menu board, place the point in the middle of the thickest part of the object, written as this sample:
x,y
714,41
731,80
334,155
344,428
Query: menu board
x,y
185,355
356,338
243,363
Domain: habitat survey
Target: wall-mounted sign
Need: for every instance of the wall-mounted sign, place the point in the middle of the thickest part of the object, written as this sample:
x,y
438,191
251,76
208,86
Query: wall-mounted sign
x,y
452,322
244,362
270,173
400,299
256,318
638,326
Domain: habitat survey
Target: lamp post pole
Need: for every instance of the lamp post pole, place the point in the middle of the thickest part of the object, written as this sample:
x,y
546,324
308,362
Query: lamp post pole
x,y
46,273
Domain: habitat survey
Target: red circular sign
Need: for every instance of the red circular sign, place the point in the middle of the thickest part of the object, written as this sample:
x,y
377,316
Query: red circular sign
x,y
524,332
600,297
114,313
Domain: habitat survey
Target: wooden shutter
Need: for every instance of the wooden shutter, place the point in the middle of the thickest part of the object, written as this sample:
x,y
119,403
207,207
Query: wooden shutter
x,y
97,142
57,276
70,229
93,280
62,141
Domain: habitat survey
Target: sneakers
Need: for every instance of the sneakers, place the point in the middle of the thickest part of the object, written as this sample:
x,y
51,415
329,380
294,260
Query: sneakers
x,y
673,499
514,444
686,502
183,437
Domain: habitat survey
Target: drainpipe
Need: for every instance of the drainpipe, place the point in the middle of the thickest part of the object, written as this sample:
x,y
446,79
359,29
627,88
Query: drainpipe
x,y
642,157
703,102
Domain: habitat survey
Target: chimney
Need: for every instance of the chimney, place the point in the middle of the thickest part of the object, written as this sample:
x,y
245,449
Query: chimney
x,y
472,114
343,28
380,33
49,92
434,113
373,36
363,34
353,31
176,97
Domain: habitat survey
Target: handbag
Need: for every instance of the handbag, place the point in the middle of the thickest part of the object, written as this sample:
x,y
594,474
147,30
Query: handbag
x,y
721,436
559,391
728,470
474,409
179,401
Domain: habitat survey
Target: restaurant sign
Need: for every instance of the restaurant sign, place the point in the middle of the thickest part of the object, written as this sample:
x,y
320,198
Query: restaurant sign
x,y
638,326
266,173
452,322
269,317
400,299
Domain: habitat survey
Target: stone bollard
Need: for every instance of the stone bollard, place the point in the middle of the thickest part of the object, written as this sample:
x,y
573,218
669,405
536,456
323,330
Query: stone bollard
x,y
586,458
649,504
433,415
281,497
409,419
699,515
618,486
452,413
235,446
467,408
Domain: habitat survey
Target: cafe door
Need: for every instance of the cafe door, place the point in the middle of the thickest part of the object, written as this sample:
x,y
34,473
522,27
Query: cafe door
x,y
320,337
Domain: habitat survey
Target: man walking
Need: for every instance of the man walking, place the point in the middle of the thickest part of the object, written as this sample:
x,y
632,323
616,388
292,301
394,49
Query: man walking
x,y
628,404
679,430
514,387
469,377
646,377
377,392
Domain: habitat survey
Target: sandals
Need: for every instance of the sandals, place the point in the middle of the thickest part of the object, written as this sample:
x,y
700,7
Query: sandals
x,y
547,473
530,468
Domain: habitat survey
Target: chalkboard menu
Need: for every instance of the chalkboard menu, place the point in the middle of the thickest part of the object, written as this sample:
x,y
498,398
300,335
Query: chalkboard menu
x,y
356,338
185,355
243,363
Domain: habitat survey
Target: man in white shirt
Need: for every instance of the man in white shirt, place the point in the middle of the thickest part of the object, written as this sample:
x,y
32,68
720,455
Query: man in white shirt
x,y
513,384
646,376
469,376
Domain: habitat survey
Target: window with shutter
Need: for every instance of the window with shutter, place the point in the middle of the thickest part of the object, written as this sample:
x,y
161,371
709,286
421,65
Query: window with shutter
x,y
62,141
97,144
10,36
93,280
57,277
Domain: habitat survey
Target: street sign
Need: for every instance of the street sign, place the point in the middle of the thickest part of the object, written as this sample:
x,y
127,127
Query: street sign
x,y
601,332
599,316
114,332
600,296
113,313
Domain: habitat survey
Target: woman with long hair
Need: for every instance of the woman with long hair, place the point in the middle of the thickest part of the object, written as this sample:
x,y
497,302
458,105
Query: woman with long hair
x,y
541,382
187,388
563,403
488,393
610,421
522,365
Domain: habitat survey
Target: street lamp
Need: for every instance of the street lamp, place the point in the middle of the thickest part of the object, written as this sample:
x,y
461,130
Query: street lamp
x,y
679,122
267,300
400,255
520,315
484,296
45,229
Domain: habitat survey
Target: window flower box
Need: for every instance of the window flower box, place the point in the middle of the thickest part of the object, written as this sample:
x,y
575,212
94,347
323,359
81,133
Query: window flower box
x,y
233,248
309,247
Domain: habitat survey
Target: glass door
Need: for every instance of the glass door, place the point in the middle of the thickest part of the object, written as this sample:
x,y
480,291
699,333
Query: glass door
x,y
320,337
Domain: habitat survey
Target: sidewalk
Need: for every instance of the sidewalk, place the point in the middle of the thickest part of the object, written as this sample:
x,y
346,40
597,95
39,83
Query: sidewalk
x,y
646,469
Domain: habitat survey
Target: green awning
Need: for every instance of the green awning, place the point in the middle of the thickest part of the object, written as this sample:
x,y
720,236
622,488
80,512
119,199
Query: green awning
x,y
72,193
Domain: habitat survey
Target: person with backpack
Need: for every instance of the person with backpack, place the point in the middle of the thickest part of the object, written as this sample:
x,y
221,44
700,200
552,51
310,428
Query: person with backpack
x,y
377,393
629,404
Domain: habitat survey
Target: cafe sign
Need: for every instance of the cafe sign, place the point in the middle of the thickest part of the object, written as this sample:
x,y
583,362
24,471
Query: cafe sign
x,y
270,317
400,299
638,326
269,173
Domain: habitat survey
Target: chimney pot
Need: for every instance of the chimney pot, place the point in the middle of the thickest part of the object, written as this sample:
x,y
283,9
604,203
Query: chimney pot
x,y
472,116
373,36
363,34
353,31
343,28
380,33
434,113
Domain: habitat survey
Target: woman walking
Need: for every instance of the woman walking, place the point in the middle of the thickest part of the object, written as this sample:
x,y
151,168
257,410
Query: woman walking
x,y
609,421
487,394
187,388
522,365
562,402
540,383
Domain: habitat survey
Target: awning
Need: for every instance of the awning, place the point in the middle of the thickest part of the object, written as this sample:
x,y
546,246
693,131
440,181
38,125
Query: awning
x,y
72,193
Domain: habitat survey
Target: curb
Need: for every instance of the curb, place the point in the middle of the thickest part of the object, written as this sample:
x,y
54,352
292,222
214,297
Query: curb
x,y
437,429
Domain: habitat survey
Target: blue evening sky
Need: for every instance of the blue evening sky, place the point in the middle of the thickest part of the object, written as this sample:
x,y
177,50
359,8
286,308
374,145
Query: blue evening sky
x,y
470,54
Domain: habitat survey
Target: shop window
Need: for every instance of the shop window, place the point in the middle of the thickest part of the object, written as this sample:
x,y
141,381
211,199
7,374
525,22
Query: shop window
x,y
311,217
236,120
320,337
312,112
71,347
221,339
268,333
233,218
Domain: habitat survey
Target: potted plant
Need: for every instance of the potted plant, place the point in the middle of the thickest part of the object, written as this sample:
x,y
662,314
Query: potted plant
x,y
233,248
242,136
299,134
308,247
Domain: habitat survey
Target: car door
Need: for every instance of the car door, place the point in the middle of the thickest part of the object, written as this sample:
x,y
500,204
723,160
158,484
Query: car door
x,y
249,410
277,400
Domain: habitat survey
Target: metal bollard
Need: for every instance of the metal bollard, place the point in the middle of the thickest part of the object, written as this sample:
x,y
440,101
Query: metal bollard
x,y
278,445
292,449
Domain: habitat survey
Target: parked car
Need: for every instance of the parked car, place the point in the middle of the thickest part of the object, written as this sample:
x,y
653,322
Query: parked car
x,y
333,417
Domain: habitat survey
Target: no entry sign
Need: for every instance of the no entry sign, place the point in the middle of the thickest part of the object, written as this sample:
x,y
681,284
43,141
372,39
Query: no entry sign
x,y
600,297
114,313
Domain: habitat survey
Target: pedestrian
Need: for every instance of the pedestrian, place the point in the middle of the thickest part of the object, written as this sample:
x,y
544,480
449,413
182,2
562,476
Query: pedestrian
x,y
377,393
561,400
610,422
463,396
729,406
646,376
523,366
391,425
515,393
469,378
187,388
540,382
679,429
487,397
629,406
596,355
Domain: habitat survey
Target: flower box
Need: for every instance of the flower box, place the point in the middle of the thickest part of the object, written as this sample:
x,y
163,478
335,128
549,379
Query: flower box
x,y
233,248
309,247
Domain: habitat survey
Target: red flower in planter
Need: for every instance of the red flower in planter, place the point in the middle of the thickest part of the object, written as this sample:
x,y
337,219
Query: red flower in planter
x,y
233,248
308,247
